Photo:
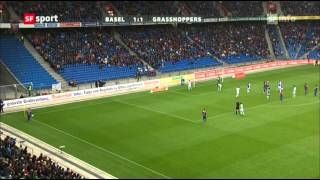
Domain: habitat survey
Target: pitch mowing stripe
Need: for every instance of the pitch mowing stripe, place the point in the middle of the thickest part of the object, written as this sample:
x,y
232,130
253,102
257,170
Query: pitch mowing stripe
x,y
212,117
160,112
93,103
103,149
266,105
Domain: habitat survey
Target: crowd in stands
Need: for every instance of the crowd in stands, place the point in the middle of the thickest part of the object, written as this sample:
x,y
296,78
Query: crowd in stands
x,y
154,44
312,39
67,11
300,8
203,8
81,46
275,40
293,35
229,39
4,14
92,11
17,163
158,8
160,44
243,8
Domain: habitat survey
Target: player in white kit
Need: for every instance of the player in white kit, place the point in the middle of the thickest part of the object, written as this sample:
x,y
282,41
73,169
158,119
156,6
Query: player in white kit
x,y
280,86
238,91
248,87
219,87
294,91
189,85
241,109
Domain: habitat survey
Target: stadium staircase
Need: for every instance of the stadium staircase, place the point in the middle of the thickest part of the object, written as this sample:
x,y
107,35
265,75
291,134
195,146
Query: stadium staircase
x,y
214,57
86,74
45,64
222,10
183,8
309,36
282,44
13,15
265,7
101,7
277,48
279,11
117,37
23,65
266,32
312,53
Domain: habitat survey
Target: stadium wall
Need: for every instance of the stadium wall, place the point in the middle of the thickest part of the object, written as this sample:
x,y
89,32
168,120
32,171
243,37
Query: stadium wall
x,y
94,93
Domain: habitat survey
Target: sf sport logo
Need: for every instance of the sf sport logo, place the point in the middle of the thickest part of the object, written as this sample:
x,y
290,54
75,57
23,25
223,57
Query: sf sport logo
x,y
31,18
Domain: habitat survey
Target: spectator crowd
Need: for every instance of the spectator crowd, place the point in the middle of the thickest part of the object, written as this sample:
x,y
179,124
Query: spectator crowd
x,y
300,8
18,163
160,44
229,39
67,11
85,46
92,11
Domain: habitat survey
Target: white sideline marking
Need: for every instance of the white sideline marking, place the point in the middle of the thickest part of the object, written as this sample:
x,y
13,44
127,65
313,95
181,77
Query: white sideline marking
x,y
103,149
160,112
37,147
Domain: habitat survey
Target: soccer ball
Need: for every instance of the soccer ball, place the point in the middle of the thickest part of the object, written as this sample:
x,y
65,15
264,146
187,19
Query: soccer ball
x,y
32,115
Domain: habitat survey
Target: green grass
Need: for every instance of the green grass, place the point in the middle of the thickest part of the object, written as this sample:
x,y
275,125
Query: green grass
x,y
161,135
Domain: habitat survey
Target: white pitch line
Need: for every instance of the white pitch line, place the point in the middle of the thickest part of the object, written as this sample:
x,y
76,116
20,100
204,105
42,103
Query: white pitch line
x,y
103,149
160,112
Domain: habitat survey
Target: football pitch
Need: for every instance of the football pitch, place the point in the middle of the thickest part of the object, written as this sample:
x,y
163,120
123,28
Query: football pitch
x,y
161,135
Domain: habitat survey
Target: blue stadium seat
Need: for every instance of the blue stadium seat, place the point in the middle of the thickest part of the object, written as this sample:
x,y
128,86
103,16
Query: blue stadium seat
x,y
23,65
85,73
187,65
241,59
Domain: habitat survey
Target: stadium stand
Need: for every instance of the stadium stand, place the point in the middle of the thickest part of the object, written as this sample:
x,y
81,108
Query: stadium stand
x,y
23,65
315,54
300,8
275,39
4,14
312,38
166,48
93,53
67,11
233,43
146,8
293,34
17,163
203,8
243,8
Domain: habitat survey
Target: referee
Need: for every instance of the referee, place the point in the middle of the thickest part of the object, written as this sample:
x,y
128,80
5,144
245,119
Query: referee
x,y
29,114
204,115
237,107
1,106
